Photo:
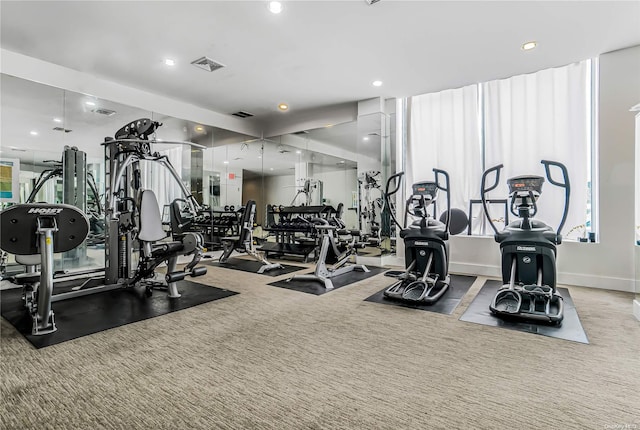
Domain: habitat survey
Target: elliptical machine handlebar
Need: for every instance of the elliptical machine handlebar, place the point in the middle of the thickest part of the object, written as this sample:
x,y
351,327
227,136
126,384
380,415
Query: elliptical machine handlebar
x,y
564,184
397,181
446,190
484,190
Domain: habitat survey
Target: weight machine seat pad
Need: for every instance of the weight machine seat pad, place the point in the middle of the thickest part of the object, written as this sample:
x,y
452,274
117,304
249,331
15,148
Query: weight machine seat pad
x,y
150,219
29,260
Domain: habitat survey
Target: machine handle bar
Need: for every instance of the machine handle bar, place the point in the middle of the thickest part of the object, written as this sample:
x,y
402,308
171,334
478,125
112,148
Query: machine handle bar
x,y
484,190
564,184
446,190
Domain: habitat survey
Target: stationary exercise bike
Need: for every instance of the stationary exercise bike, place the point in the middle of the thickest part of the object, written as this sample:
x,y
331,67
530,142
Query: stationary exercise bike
x,y
528,249
426,277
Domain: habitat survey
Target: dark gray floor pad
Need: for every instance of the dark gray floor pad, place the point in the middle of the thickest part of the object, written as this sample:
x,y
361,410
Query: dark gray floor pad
x,y
253,266
458,287
571,328
317,288
82,316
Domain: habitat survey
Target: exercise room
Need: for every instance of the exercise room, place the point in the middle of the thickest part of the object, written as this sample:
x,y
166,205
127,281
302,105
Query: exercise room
x,y
357,214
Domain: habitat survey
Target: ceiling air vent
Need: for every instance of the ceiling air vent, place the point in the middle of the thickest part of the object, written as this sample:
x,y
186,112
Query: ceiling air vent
x,y
242,114
66,130
103,111
206,63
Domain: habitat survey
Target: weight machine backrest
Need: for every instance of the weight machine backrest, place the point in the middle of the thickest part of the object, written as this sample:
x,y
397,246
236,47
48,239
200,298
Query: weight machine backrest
x,y
150,220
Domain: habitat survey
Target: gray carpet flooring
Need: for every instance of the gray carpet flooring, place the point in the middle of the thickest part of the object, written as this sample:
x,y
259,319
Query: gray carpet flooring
x,y
270,358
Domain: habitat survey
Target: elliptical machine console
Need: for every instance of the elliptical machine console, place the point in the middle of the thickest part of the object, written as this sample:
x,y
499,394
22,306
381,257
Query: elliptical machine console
x,y
528,250
426,277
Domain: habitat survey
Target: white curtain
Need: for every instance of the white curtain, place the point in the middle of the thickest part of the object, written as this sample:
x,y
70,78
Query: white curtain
x,y
543,115
444,133
157,178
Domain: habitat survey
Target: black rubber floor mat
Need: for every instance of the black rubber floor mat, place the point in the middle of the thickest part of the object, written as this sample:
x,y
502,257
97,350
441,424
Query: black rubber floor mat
x,y
571,328
253,266
82,316
458,287
317,288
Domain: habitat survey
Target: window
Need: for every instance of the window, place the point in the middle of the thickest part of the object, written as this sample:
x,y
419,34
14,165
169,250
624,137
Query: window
x,y
517,122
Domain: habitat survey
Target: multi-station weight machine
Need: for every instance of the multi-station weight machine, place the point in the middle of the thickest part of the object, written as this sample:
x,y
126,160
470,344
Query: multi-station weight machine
x,y
135,243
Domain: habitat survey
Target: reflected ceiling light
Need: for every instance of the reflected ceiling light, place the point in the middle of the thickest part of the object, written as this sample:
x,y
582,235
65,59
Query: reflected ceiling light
x,y
341,161
90,103
199,128
529,45
169,62
270,168
275,7
33,133
57,120
225,162
283,106
329,125
298,152
259,156
366,138
376,83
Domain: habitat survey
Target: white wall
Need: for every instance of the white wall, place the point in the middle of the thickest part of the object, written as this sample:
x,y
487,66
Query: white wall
x,y
609,263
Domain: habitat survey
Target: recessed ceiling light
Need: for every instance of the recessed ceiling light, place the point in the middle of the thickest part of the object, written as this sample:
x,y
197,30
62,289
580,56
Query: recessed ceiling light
x,y
341,161
366,138
376,83
169,62
33,133
90,103
199,128
529,45
57,120
270,168
225,162
329,125
283,106
259,156
298,152
275,7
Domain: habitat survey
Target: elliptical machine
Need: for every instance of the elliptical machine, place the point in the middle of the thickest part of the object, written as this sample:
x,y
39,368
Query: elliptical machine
x,y
528,249
426,244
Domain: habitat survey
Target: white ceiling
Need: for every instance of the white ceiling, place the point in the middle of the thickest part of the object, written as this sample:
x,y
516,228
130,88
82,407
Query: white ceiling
x,y
315,53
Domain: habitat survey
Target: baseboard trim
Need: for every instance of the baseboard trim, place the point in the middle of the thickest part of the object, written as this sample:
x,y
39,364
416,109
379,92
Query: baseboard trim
x,y
591,281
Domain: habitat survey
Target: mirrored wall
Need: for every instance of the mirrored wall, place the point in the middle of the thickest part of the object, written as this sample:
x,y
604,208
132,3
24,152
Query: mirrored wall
x,y
342,166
